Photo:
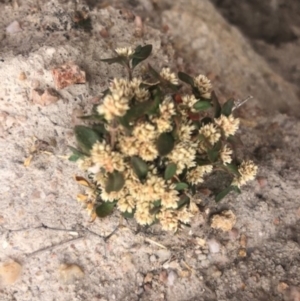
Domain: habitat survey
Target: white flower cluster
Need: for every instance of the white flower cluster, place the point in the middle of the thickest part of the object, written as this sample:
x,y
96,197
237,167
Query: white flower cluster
x,y
153,197
117,102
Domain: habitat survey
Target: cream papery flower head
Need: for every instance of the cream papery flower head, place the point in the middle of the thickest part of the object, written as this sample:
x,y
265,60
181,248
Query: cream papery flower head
x,y
142,213
102,154
114,105
189,101
124,51
144,131
170,198
140,94
185,130
152,189
169,76
225,154
168,220
184,215
183,155
229,124
147,150
114,195
195,175
85,163
162,125
123,86
248,171
126,204
203,85
211,133
128,145
167,108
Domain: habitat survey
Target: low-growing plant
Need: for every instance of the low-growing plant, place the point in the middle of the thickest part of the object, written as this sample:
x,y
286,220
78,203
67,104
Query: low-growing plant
x,y
147,146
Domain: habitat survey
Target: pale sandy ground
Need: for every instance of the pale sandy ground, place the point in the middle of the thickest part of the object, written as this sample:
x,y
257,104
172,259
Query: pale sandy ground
x,y
176,267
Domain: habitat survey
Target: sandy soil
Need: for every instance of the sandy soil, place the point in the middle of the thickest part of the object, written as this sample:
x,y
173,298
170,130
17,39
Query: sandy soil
x,y
43,228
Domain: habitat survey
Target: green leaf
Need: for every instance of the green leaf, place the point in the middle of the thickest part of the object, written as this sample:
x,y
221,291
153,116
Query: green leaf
x,y
154,72
153,105
86,137
184,199
139,167
202,105
233,169
105,209
76,154
170,171
74,158
213,155
119,60
100,129
165,143
181,186
216,104
140,54
93,117
227,107
115,182
223,193
127,214
186,78
157,203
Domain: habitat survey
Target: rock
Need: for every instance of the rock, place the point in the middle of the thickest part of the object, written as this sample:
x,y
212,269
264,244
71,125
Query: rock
x,y
139,279
67,75
242,252
44,98
243,241
163,255
152,258
70,272
22,76
148,278
214,246
163,276
10,272
13,27
211,45
281,287
172,277
224,220
50,96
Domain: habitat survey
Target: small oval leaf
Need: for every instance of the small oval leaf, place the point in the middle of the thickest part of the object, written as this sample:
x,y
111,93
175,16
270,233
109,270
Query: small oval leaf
x,y
165,144
86,137
181,186
105,209
216,104
115,182
202,105
140,54
186,78
170,171
139,167
227,107
223,193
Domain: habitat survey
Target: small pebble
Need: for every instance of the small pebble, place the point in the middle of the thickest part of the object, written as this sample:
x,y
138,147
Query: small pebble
x,y
214,246
152,258
163,276
281,287
201,257
13,27
139,279
148,278
70,272
172,276
10,272
22,76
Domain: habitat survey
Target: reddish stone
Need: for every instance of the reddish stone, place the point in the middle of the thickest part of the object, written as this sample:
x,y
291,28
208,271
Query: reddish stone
x,y
67,75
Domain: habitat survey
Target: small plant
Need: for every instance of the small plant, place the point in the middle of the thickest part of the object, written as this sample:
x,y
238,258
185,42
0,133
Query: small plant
x,y
148,146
